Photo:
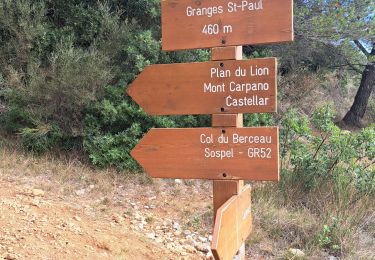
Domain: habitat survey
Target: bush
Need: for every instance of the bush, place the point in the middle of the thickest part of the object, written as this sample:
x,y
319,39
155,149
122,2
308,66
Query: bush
x,y
74,78
115,124
263,119
329,171
325,198
15,116
113,127
41,138
325,153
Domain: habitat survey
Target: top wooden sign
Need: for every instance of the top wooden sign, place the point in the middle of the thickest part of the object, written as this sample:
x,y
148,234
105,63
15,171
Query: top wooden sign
x,y
193,24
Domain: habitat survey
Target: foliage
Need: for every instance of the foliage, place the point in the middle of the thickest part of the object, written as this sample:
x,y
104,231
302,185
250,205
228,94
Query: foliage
x,y
57,56
338,20
15,116
321,162
324,199
41,139
261,119
113,127
325,154
327,239
48,80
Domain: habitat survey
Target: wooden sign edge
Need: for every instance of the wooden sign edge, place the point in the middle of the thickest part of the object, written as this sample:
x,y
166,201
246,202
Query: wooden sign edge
x,y
218,219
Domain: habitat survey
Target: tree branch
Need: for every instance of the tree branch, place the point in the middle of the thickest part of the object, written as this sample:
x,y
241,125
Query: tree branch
x,y
361,47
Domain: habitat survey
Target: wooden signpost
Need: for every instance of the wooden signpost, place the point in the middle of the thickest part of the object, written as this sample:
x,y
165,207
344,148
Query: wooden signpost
x,y
210,153
225,87
233,225
207,87
192,24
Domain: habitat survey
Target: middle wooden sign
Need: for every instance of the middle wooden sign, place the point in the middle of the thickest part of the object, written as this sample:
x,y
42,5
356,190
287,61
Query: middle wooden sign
x,y
235,86
210,153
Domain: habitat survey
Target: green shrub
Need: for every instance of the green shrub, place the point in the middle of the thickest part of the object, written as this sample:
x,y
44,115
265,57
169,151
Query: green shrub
x,y
323,153
15,116
261,119
327,238
113,127
40,139
56,57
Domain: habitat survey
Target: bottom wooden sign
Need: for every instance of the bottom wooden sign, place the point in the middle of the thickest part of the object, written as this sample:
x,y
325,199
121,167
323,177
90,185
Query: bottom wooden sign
x,y
233,225
210,153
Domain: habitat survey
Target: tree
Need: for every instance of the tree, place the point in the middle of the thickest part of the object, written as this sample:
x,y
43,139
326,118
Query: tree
x,y
365,89
348,25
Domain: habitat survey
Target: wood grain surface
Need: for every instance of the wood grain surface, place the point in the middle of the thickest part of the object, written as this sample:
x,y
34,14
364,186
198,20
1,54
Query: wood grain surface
x,y
198,154
227,120
233,224
207,87
223,190
192,24
227,53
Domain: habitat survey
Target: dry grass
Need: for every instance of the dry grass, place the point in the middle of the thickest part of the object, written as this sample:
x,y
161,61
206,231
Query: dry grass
x,y
67,172
293,225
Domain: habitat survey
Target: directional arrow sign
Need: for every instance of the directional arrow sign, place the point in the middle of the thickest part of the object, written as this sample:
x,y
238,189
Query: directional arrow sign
x,y
232,225
238,86
192,24
210,153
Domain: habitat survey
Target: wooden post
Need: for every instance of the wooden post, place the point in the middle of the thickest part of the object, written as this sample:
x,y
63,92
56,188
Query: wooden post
x,y
224,190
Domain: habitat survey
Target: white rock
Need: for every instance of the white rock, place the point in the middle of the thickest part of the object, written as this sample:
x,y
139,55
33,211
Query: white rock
x,y
176,226
38,192
35,203
159,240
117,218
167,222
202,247
138,216
178,181
190,249
80,192
170,246
151,236
191,240
294,252
209,256
202,239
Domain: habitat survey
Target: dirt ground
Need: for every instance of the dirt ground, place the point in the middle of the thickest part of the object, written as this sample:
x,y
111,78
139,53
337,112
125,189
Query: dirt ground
x,y
65,210
49,227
